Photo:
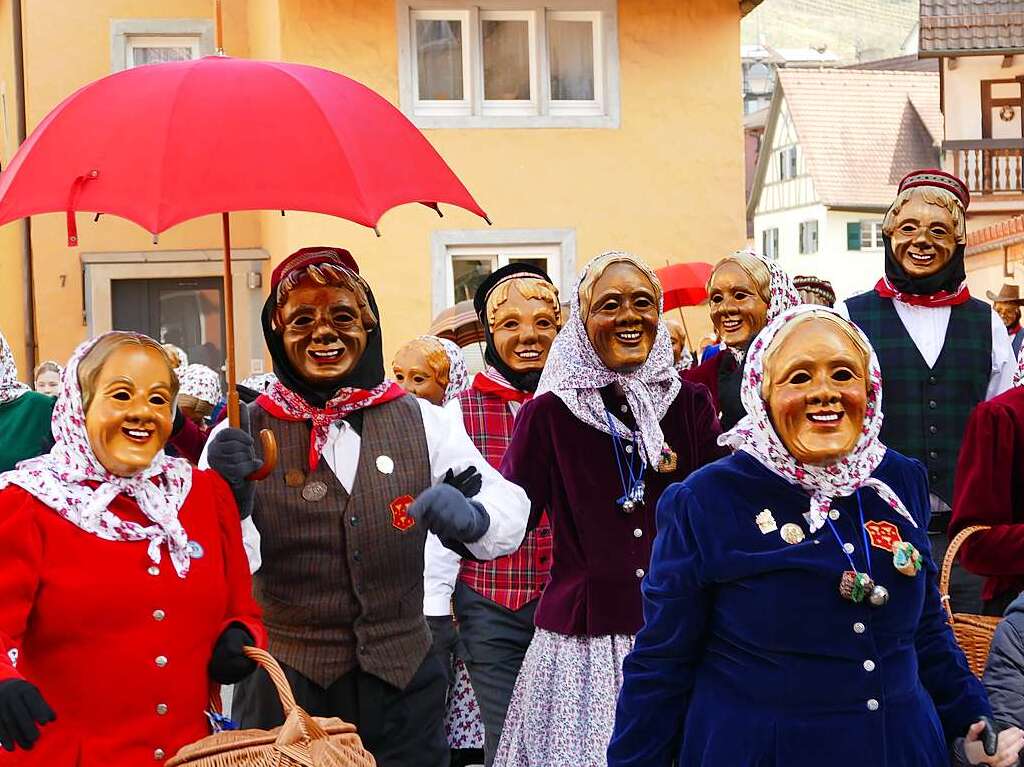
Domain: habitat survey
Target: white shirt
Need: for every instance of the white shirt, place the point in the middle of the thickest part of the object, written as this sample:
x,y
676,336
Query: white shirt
x,y
448,447
927,326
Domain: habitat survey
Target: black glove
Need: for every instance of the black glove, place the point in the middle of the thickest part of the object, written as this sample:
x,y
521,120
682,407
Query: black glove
x,y
447,513
445,637
232,454
228,663
467,482
22,708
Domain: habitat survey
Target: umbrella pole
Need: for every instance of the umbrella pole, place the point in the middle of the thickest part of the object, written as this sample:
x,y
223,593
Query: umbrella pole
x,y
229,323
685,329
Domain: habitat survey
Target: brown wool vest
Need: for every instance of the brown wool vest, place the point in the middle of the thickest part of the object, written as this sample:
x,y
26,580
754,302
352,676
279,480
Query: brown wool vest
x,y
341,583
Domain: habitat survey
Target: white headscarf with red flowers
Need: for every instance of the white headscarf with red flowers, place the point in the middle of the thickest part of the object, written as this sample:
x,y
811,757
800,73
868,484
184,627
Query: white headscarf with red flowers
x,y
1018,377
755,434
10,387
59,480
575,374
201,382
458,373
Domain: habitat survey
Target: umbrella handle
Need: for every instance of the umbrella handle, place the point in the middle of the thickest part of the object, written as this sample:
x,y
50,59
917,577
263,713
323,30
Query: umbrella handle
x,y
269,445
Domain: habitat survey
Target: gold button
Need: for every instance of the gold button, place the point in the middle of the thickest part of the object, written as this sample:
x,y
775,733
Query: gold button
x,y
161,708
161,660
159,615
158,754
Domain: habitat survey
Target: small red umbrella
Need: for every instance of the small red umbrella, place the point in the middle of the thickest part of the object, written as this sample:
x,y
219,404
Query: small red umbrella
x,y
164,143
685,284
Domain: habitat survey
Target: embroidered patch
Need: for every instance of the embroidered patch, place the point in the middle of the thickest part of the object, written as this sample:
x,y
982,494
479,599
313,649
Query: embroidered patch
x,y
400,518
882,534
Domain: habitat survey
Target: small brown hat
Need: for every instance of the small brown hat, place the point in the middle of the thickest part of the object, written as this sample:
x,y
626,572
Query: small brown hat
x,y
1008,294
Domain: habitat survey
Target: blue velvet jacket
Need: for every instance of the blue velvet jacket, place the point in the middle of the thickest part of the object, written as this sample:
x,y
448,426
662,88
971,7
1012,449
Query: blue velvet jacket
x,y
750,657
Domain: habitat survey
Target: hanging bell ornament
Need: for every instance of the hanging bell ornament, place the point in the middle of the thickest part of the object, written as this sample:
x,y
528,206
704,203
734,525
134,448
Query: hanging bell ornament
x,y
855,586
906,559
879,596
628,506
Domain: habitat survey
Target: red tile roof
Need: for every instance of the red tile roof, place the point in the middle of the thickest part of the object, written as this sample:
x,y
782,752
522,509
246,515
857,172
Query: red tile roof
x,y
863,130
1002,233
963,27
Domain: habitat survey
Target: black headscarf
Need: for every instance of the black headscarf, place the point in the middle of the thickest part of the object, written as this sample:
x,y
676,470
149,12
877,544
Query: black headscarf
x,y
949,278
368,372
523,381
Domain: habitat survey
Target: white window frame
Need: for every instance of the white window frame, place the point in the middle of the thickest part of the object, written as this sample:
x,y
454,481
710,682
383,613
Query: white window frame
x,y
447,107
199,34
876,234
500,107
541,111
804,237
771,253
160,41
501,245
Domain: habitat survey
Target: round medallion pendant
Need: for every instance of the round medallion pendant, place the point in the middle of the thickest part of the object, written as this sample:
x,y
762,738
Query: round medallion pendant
x,y
314,491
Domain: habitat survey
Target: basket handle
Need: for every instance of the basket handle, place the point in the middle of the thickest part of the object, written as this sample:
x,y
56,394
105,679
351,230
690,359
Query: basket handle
x,y
310,729
947,564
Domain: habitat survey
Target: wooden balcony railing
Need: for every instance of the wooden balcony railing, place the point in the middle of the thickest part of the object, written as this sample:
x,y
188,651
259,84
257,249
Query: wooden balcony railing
x,y
989,166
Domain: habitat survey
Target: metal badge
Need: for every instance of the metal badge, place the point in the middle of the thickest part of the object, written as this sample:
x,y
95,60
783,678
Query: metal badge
x,y
791,533
385,465
314,491
766,522
195,550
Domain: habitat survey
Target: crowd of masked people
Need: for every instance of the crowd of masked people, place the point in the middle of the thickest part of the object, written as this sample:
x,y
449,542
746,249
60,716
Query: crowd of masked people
x,y
610,546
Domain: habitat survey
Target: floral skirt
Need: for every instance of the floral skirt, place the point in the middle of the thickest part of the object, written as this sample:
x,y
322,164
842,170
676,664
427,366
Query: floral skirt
x,y
563,708
462,724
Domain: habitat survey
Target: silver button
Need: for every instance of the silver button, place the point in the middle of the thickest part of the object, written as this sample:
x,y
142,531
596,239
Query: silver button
x,y
833,515
161,708
638,533
629,448
159,615
158,754
154,570
872,704
161,661
858,628
869,665
848,548
624,408
639,572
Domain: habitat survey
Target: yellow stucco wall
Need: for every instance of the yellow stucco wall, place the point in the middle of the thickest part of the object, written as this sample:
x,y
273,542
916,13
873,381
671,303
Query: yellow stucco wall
x,y
668,184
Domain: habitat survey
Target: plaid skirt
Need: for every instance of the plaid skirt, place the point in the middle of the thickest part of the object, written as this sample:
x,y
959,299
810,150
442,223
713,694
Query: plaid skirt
x,y
563,708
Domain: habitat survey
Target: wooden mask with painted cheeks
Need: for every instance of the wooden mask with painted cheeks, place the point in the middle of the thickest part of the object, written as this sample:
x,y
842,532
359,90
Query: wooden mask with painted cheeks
x,y
816,388
621,316
422,368
924,225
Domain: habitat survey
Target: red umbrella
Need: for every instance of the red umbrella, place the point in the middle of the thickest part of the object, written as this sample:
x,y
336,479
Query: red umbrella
x,y
685,284
164,143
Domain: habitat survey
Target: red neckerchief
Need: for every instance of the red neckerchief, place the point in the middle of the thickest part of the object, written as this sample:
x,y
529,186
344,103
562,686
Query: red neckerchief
x,y
942,298
281,402
1014,330
488,385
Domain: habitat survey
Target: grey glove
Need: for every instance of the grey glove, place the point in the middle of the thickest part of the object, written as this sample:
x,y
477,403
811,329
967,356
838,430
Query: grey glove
x,y
447,513
232,454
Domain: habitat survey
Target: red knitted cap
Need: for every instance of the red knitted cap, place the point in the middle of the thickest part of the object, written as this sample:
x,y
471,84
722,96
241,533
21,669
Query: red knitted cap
x,y
319,254
939,178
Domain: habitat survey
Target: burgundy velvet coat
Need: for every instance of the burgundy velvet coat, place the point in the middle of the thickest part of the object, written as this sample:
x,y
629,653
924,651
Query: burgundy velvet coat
x,y
989,490
600,553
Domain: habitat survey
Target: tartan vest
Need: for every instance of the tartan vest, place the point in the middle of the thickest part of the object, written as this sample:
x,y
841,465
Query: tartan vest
x,y
926,409
341,583
516,579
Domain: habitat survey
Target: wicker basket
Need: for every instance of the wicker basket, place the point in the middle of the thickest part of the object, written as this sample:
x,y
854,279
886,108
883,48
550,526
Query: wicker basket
x,y
302,741
973,632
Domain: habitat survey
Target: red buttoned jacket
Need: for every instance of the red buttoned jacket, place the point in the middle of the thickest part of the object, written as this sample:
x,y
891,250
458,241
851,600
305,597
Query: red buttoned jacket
x,y
117,645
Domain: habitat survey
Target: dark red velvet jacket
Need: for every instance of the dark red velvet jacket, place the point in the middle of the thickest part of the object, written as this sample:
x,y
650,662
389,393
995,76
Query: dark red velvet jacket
x,y
600,553
989,490
706,373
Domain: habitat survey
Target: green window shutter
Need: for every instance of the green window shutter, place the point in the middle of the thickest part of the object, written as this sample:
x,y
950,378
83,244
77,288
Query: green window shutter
x,y
853,235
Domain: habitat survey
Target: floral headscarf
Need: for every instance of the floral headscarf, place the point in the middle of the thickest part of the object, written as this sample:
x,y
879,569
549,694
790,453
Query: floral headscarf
x,y
575,374
260,382
59,480
755,434
458,373
1018,377
200,382
10,387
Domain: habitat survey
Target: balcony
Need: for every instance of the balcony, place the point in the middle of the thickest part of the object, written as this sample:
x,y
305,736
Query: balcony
x,y
991,167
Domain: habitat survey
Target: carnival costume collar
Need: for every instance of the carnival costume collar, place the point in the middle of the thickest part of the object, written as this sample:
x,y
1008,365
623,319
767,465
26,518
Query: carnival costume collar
x,y
72,481
528,381
754,434
575,374
10,387
490,381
